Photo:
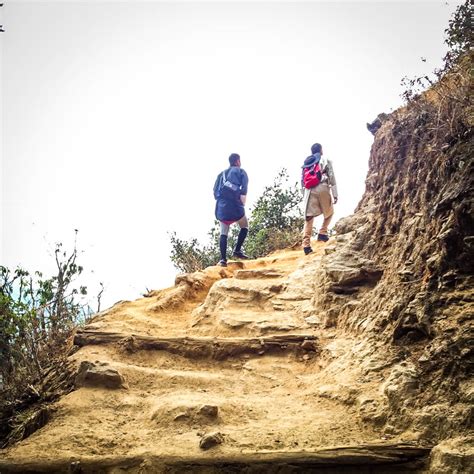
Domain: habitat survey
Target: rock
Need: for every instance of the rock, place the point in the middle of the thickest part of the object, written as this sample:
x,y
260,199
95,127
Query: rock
x,y
259,273
129,344
195,280
371,410
390,430
210,411
172,297
436,421
308,346
346,269
92,375
313,320
466,391
227,297
453,456
374,126
181,417
330,317
406,275
211,439
341,393
401,384
349,224
263,323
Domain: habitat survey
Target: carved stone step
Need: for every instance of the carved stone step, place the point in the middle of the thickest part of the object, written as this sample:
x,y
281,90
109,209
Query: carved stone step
x,y
202,347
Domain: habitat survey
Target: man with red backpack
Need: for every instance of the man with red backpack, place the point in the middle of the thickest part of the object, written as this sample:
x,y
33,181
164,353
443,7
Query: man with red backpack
x,y
320,192
230,193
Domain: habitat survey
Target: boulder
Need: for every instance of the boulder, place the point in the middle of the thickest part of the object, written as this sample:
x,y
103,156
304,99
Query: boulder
x,y
350,270
211,439
453,456
98,375
210,411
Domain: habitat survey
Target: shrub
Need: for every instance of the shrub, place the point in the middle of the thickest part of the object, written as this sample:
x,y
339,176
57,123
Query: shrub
x,y
37,317
276,220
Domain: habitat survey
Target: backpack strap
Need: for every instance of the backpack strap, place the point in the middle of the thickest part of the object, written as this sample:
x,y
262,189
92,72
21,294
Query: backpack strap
x,y
223,178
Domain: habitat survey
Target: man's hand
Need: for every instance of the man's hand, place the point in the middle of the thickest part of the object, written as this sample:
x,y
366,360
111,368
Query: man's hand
x,y
243,199
335,200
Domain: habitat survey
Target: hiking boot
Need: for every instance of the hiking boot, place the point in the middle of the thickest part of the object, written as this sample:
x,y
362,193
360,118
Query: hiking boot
x,y
240,254
222,263
307,250
323,237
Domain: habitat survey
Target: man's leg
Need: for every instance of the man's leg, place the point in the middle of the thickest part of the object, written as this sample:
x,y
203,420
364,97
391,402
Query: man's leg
x,y
327,207
324,228
244,229
307,231
223,244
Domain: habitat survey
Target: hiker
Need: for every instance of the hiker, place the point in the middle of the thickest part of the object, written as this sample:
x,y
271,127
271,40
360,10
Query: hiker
x,y
320,191
230,192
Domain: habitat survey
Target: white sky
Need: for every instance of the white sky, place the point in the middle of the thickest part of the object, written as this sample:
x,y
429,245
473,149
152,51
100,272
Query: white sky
x,y
108,107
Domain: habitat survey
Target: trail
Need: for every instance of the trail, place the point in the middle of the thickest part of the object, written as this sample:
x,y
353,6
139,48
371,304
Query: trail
x,y
243,341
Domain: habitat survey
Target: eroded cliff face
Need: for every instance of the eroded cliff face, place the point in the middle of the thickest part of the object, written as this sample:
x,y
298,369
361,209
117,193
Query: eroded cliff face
x,y
350,359
415,221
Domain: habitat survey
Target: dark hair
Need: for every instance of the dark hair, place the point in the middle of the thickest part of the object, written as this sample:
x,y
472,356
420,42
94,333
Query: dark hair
x,y
233,159
316,148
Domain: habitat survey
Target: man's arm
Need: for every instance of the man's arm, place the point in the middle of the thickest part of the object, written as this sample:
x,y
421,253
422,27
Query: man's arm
x,y
332,180
243,186
217,186
244,182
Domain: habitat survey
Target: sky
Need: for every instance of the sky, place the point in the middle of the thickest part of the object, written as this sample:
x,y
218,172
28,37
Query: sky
x,y
116,117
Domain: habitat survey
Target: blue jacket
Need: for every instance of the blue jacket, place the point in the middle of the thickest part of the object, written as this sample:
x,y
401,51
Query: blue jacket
x,y
231,210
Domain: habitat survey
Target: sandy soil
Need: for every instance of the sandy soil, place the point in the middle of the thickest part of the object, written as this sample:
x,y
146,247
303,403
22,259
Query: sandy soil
x,y
290,401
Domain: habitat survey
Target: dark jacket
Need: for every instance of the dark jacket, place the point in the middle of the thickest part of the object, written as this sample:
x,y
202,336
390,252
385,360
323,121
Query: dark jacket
x,y
231,210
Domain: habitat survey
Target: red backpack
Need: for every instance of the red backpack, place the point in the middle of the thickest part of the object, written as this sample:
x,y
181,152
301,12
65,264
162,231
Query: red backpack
x,y
312,175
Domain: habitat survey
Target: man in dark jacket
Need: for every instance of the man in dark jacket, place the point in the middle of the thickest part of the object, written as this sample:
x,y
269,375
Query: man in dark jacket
x,y
230,192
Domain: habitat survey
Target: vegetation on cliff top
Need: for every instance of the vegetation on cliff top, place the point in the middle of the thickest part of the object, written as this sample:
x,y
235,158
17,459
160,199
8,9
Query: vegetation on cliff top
x,y
458,39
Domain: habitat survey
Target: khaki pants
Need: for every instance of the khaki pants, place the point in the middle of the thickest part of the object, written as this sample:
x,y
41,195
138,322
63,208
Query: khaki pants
x,y
320,202
308,229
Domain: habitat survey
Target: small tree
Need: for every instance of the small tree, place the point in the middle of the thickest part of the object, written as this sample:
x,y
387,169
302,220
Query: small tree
x,y
276,219
37,317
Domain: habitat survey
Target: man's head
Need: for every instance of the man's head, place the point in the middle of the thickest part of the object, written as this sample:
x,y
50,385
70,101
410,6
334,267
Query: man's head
x,y
317,148
234,159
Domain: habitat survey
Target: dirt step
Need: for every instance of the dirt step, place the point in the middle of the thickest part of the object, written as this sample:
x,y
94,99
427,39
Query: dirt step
x,y
202,347
386,458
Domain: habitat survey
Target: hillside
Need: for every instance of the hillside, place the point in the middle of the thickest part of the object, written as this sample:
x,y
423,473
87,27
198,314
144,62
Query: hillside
x,y
356,358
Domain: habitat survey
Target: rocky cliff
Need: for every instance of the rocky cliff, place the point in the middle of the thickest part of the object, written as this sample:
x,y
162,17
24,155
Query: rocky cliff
x,y
356,358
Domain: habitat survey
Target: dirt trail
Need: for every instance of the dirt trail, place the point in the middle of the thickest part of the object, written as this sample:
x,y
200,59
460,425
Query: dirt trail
x,y
270,399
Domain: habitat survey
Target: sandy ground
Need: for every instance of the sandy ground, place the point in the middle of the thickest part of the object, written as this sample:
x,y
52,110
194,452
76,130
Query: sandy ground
x,y
287,402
